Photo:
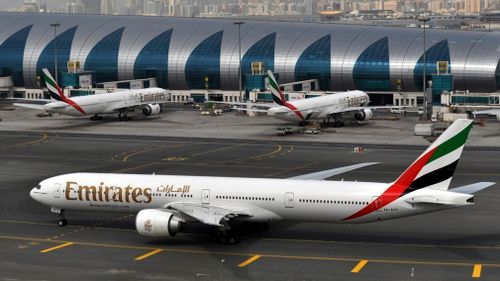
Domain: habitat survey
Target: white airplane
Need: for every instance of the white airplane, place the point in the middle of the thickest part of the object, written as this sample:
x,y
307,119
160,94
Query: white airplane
x,y
165,203
491,112
121,102
332,106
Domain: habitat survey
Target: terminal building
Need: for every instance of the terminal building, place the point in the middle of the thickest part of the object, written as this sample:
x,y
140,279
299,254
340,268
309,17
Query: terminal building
x,y
186,53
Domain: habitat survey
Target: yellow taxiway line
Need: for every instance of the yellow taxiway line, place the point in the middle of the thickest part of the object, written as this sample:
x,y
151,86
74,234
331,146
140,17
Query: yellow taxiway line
x,y
57,247
359,266
249,261
477,267
476,272
149,254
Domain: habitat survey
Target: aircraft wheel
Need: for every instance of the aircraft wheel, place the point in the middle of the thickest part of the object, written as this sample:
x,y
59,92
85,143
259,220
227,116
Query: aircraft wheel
x,y
232,239
62,222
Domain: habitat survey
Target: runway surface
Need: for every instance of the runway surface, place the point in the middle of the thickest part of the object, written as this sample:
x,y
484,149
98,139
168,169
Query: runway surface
x,y
459,244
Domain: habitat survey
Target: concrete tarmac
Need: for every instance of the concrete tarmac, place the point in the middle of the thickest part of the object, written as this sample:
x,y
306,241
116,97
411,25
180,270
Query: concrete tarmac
x,y
458,244
182,121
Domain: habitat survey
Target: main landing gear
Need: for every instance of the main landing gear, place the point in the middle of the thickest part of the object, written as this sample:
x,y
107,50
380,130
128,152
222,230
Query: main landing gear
x,y
96,118
123,117
338,120
62,220
226,237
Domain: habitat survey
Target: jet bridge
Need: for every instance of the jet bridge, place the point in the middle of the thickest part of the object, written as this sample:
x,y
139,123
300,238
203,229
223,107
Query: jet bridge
x,y
466,101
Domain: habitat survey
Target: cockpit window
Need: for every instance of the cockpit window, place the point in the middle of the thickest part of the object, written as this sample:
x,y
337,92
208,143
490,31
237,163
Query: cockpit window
x,y
38,186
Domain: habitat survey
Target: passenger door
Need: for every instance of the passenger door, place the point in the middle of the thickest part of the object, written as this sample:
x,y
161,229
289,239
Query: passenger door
x,y
57,190
205,196
289,200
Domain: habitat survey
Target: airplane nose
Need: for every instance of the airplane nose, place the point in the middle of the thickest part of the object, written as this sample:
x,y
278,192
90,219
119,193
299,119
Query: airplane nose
x,y
35,193
32,193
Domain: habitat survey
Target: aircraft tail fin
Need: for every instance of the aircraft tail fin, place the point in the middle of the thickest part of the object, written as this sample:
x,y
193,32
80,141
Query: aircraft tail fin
x,y
278,96
436,166
55,92
433,169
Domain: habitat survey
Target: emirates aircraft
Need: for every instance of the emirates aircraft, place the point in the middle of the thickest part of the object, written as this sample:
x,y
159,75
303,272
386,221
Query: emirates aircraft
x,y
121,102
164,204
332,106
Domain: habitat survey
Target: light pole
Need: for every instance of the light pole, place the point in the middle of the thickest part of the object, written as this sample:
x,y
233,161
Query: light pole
x,y
239,23
424,20
222,261
204,275
55,26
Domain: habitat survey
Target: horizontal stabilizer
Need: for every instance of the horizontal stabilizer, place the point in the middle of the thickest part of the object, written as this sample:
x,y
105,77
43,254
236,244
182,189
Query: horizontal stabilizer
x,y
321,175
30,105
472,188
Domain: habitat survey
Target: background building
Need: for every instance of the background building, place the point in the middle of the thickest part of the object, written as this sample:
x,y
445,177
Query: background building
x,y
198,53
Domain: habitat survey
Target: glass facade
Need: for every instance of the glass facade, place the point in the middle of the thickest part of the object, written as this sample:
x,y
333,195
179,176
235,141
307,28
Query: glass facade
x,y
46,59
315,63
371,71
12,55
203,65
438,52
152,61
104,57
262,51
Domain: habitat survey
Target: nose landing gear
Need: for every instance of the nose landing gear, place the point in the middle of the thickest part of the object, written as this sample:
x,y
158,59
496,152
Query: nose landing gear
x,y
62,220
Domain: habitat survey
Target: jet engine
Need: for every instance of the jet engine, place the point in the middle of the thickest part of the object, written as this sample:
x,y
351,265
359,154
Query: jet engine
x,y
157,223
151,109
365,114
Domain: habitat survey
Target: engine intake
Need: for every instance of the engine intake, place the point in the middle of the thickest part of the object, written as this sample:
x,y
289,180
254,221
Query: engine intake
x,y
151,109
157,223
365,114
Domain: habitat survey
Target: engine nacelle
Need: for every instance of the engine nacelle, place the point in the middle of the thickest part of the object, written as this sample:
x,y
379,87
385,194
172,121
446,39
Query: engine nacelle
x,y
365,114
151,109
157,223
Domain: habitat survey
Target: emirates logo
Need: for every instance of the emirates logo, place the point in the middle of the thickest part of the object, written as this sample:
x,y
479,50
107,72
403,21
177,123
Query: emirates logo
x,y
148,227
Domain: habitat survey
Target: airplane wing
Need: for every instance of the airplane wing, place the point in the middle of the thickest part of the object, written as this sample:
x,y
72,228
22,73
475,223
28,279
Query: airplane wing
x,y
210,215
29,105
265,105
358,108
250,109
472,188
487,112
321,175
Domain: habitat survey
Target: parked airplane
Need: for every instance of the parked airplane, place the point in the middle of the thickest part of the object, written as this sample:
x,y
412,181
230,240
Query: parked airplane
x,y
491,112
165,203
326,107
122,102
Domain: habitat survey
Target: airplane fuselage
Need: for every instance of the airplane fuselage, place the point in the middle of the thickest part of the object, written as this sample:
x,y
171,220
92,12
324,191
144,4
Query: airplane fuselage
x,y
266,199
108,103
319,108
